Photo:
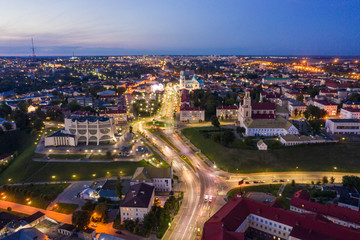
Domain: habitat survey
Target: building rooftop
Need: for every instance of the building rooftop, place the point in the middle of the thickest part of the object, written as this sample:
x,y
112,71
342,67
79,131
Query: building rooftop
x,y
139,196
338,120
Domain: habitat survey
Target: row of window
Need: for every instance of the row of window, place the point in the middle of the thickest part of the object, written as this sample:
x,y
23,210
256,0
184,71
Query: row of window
x,y
268,229
270,223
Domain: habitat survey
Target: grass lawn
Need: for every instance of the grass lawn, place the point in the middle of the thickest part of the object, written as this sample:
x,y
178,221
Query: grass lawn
x,y
66,208
168,142
37,195
316,157
269,188
157,156
152,130
157,123
15,141
66,156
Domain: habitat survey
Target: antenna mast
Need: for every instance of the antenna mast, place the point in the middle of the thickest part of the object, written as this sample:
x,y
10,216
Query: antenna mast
x,y
33,48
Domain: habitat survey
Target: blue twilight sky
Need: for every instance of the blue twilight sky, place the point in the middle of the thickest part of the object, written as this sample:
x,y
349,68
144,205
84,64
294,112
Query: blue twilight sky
x,y
243,27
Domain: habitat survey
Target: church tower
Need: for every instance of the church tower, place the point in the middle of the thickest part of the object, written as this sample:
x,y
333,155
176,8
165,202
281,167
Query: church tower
x,y
245,108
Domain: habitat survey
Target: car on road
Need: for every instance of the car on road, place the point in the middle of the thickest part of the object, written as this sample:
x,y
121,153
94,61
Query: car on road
x,y
206,198
256,182
210,199
247,182
282,180
275,180
119,232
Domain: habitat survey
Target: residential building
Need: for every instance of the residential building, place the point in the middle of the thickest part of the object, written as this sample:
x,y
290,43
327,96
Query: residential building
x,y
330,108
227,112
160,178
347,113
89,234
274,81
27,233
119,115
137,202
339,215
242,218
351,105
67,229
296,108
192,114
82,101
291,139
343,126
270,127
108,190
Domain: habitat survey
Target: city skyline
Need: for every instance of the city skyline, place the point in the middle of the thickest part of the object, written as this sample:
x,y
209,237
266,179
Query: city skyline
x,y
305,28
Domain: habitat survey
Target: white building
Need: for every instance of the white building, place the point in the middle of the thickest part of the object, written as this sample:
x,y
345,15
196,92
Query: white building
x,y
330,108
271,81
291,140
261,145
227,112
120,116
189,81
61,138
84,130
160,178
137,202
271,127
343,126
347,113
192,114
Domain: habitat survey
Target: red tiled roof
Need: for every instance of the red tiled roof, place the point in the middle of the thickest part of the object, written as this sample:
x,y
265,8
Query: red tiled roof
x,y
332,210
186,108
263,106
232,214
262,116
227,107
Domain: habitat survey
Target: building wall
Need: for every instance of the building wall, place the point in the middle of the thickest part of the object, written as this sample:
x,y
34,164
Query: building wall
x,y
231,113
342,128
192,115
133,213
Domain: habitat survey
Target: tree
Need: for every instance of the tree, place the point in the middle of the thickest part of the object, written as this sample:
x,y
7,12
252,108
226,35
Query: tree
x,y
293,183
295,112
22,106
300,98
73,106
332,180
38,124
228,137
325,180
130,129
21,118
215,121
88,206
5,110
7,126
313,112
315,126
9,209
100,213
129,225
81,219
118,188
354,97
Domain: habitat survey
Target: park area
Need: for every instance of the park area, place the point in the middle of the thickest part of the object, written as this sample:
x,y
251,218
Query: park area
x,y
244,159
23,169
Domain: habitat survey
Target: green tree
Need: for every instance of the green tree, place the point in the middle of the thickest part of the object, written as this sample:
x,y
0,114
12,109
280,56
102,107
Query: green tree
x,y
312,112
325,180
354,97
5,110
300,98
81,219
73,106
293,183
332,180
38,124
215,121
7,126
22,106
118,188
100,213
20,118
228,137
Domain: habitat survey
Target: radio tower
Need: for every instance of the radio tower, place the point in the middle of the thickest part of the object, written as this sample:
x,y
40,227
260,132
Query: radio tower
x,y
33,48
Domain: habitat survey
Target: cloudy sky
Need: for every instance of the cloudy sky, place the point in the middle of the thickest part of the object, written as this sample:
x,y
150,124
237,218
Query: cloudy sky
x,y
120,27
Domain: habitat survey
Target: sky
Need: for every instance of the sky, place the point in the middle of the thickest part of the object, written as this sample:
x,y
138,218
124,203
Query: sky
x,y
180,27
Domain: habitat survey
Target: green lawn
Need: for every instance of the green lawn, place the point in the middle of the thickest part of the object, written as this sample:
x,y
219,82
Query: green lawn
x,y
14,213
66,156
269,188
37,195
15,141
157,124
66,208
185,158
317,157
157,157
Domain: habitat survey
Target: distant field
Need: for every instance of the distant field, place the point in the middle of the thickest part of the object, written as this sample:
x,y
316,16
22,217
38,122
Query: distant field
x,y
317,157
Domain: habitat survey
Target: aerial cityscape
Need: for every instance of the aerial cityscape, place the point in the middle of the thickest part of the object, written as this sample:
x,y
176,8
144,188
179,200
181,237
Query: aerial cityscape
x,y
184,120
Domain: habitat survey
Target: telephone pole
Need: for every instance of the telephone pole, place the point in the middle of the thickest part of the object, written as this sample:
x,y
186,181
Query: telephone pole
x,y
33,49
